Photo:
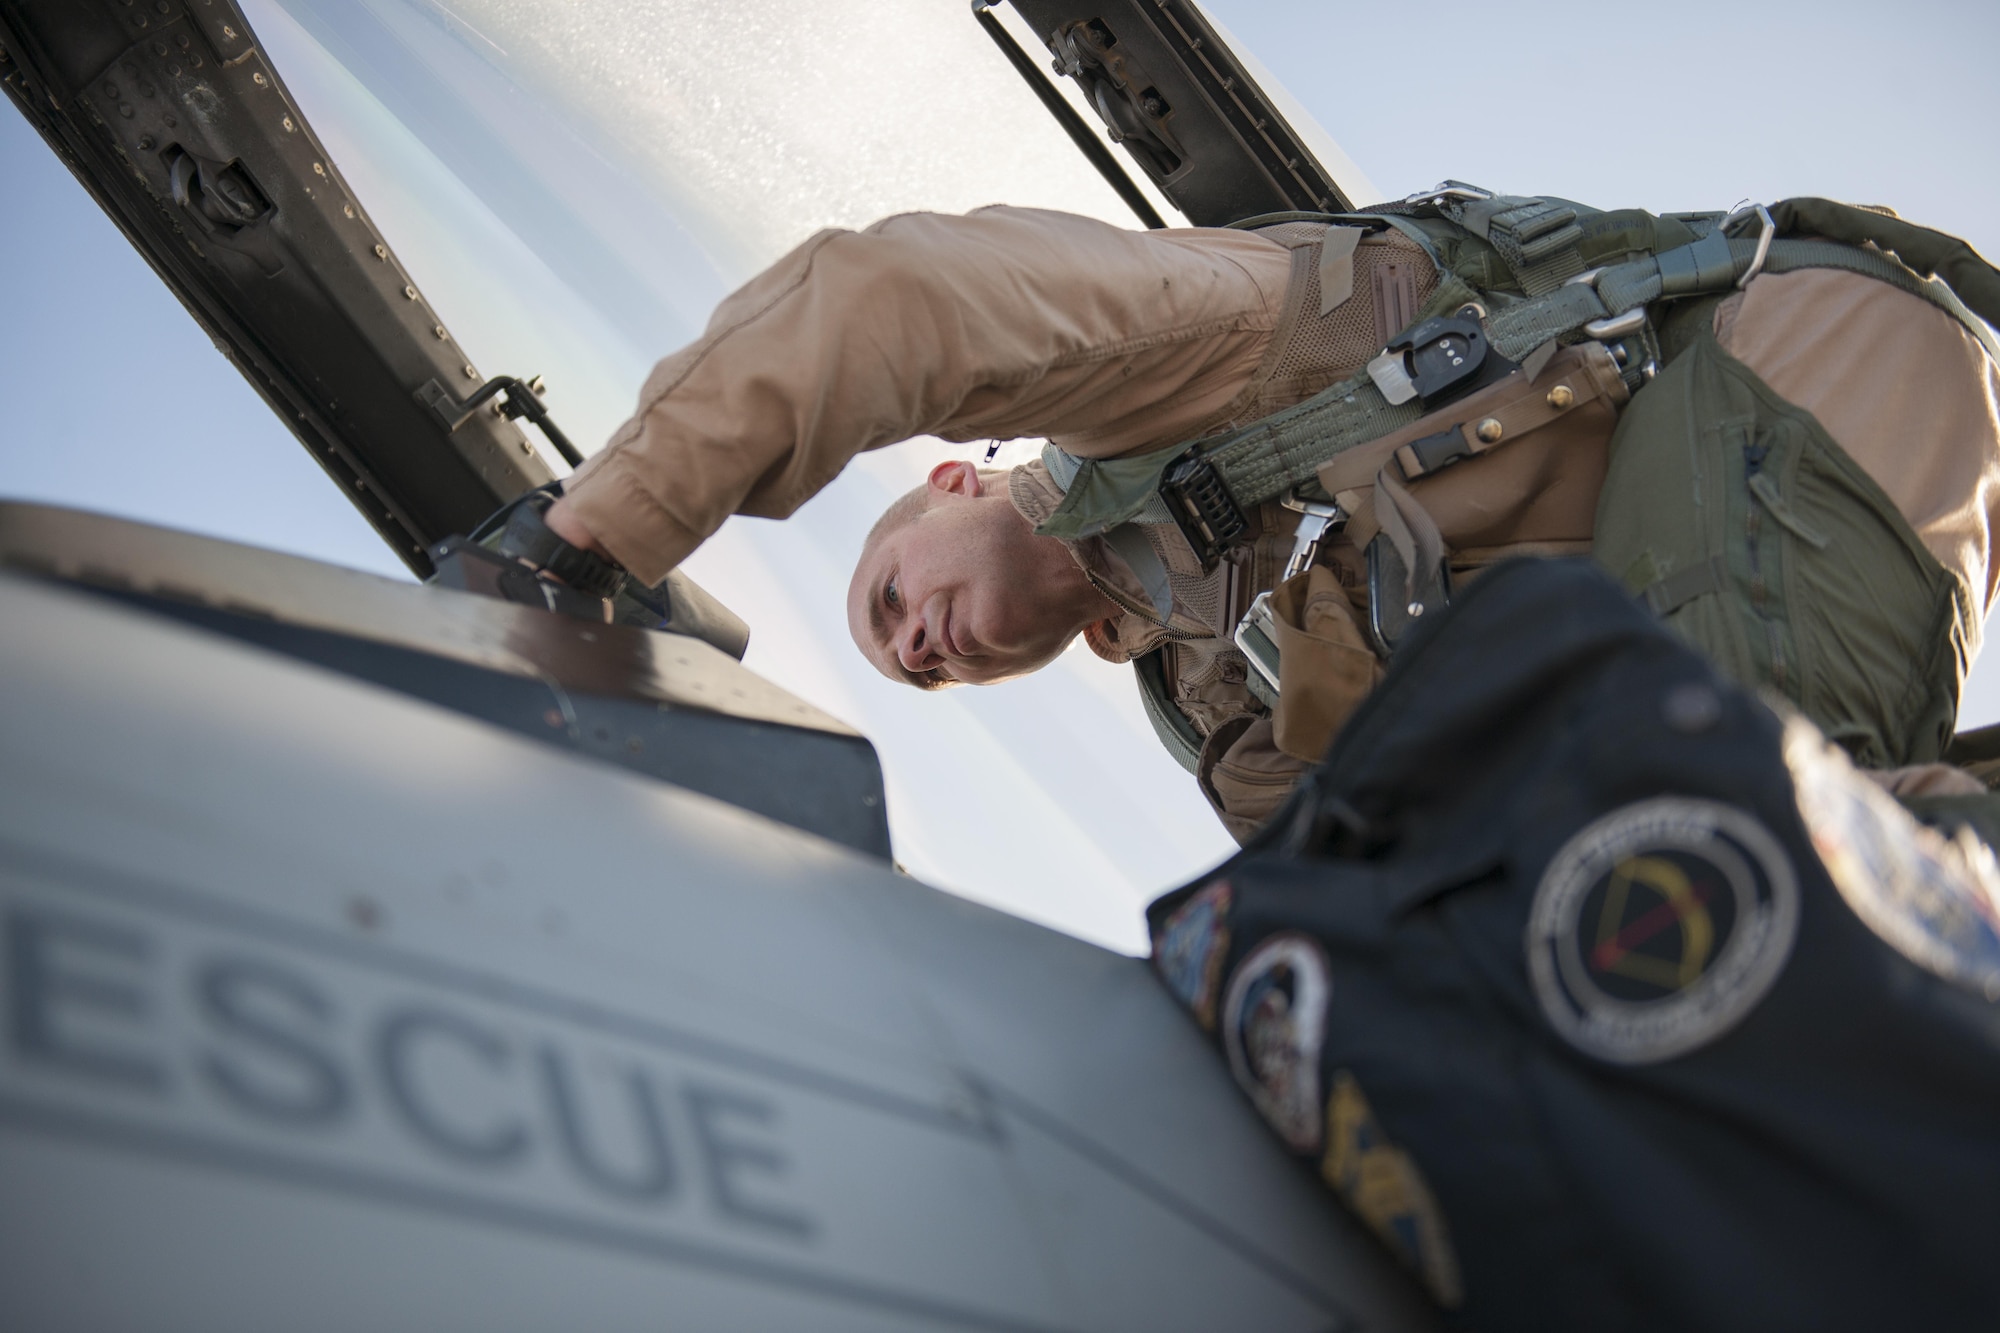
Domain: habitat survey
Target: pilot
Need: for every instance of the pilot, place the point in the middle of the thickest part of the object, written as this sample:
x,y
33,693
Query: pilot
x,y
1798,469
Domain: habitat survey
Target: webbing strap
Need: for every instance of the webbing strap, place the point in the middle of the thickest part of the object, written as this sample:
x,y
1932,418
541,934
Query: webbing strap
x,y
1174,730
1268,458
1537,237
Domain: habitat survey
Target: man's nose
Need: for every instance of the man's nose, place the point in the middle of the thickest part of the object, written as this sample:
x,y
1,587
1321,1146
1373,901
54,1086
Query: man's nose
x,y
915,648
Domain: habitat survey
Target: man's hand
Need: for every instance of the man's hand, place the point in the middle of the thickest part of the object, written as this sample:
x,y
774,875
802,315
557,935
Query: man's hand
x,y
563,521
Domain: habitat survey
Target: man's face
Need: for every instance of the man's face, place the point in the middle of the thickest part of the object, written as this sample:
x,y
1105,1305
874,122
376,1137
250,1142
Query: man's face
x,y
964,591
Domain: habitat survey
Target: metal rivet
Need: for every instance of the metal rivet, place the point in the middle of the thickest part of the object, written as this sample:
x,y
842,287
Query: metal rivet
x,y
227,31
194,58
145,143
319,168
1561,397
173,67
125,110
1415,609
258,79
163,7
438,329
289,127
381,252
348,209
1691,709
410,292
471,374
111,90
1489,431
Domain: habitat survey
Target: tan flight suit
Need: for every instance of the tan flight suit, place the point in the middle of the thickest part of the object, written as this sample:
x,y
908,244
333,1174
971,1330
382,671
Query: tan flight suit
x,y
1017,322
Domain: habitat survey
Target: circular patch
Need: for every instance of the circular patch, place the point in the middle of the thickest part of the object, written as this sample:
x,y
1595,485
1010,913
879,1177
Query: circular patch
x,y
1658,927
1935,900
1273,1025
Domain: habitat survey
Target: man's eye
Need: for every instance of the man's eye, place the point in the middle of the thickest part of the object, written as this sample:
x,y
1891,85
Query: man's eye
x,y
890,595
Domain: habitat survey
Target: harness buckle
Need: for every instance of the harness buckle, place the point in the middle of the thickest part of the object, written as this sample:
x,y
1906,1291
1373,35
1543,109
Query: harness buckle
x,y
1770,229
1613,327
1255,635
1442,358
1316,519
1203,509
1444,190
1255,640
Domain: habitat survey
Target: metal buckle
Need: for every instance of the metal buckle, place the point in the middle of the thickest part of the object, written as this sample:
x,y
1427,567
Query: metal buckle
x,y
1254,640
1444,190
1253,636
1611,327
1316,519
1617,326
1203,509
1763,239
1438,360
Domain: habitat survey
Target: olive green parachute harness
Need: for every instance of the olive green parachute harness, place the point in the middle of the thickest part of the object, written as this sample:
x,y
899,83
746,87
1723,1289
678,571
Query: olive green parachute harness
x,y
1519,277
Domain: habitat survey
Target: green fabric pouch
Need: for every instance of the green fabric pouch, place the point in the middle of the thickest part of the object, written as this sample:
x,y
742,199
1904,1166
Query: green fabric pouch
x,y
1755,536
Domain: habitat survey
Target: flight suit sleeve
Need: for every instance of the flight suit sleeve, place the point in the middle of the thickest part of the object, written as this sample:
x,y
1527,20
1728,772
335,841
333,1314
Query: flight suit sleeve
x,y
1000,323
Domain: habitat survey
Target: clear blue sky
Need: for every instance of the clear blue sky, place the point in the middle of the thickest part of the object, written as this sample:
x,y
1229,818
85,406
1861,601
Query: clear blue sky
x,y
116,401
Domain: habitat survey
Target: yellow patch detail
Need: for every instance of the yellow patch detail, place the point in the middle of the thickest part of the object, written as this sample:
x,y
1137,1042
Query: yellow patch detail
x,y
1383,1186
1697,927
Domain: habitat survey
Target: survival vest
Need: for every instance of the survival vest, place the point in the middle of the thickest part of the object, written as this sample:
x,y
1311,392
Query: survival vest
x,y
1547,316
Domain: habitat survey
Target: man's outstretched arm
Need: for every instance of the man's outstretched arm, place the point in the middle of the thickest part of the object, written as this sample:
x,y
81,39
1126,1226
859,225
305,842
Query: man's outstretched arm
x,y
1000,323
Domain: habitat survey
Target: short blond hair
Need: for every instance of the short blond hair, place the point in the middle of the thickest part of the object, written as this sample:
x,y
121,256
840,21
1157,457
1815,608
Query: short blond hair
x,y
904,510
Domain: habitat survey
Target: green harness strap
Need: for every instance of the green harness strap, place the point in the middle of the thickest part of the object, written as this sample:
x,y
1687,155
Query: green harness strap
x,y
1183,742
1286,449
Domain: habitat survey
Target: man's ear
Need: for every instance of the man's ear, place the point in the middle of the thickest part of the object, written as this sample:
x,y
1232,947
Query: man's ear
x,y
956,477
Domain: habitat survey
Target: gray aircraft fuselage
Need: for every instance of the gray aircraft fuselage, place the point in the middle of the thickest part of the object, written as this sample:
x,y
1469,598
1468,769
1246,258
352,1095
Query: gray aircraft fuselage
x,y
330,1005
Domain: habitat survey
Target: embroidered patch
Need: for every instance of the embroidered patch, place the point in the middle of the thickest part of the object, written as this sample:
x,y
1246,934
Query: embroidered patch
x,y
1190,948
1274,1022
1658,927
1383,1186
1933,899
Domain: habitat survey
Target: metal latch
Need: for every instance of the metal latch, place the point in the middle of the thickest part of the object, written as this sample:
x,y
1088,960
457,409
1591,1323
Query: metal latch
x,y
1202,507
1254,639
1120,91
518,399
1441,359
1254,635
1316,519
